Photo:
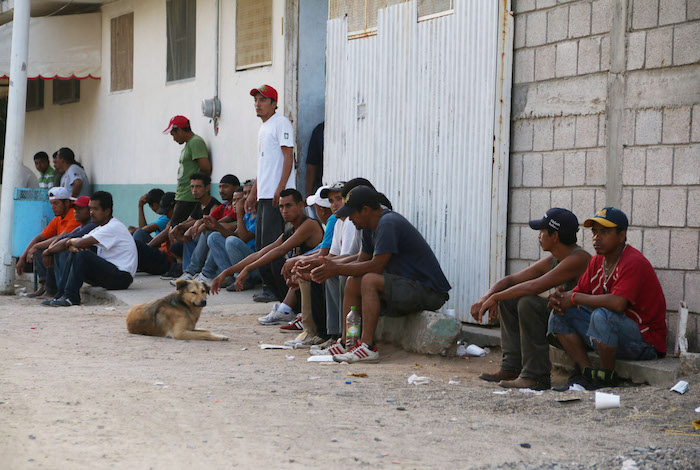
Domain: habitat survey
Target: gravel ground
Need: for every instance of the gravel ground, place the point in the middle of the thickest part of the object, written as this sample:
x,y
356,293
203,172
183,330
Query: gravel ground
x,y
77,391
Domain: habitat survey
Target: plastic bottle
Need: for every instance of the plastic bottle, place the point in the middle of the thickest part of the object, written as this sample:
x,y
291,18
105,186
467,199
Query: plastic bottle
x,y
352,328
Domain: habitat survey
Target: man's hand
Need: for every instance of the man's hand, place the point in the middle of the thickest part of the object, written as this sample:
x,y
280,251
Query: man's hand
x,y
560,300
47,259
19,268
239,206
250,203
240,279
489,305
288,267
30,254
216,283
276,197
142,201
327,270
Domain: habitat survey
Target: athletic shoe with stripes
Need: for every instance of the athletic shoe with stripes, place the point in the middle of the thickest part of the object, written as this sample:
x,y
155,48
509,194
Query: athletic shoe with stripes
x,y
335,348
361,353
275,317
293,326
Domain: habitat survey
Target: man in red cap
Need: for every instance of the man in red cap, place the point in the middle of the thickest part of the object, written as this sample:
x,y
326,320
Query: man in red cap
x,y
194,158
275,165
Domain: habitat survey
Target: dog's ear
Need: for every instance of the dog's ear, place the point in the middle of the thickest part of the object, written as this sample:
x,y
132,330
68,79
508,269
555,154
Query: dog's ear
x,y
180,284
207,287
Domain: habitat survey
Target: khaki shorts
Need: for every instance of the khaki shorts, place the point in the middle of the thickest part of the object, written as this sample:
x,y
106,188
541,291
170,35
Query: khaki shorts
x,y
403,296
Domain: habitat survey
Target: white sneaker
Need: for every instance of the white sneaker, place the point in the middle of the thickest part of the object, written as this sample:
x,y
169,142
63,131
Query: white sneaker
x,y
357,354
202,278
304,342
301,337
183,277
335,348
275,317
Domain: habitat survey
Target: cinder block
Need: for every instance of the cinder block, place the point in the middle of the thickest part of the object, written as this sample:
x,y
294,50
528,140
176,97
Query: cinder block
x,y
666,87
536,29
532,169
633,164
690,363
648,127
580,20
601,198
659,165
676,125
693,207
672,285
568,97
602,127
545,3
544,62
656,247
605,53
524,69
672,11
686,165
574,168
586,131
519,202
644,13
672,207
520,6
693,10
423,332
625,202
695,131
516,170
628,126
588,54
635,237
553,170
543,134
521,137
529,246
587,240
516,265
659,47
596,167
481,336
602,16
636,45
520,30
557,24
692,293
562,198
583,203
645,207
685,44
565,132
513,242
684,246
540,203
567,58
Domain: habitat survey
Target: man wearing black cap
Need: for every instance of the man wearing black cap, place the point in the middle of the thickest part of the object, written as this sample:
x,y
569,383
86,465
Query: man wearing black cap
x,y
617,307
396,267
154,257
524,315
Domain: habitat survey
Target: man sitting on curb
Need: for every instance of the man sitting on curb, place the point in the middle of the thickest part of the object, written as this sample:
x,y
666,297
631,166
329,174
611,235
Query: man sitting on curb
x,y
62,207
396,266
155,256
143,231
114,264
305,233
524,314
617,308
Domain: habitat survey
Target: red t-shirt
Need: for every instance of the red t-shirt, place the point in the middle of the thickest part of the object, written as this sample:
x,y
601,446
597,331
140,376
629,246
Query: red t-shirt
x,y
635,280
223,210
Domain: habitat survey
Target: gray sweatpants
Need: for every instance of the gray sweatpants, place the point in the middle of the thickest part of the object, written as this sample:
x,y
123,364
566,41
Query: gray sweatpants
x,y
335,287
524,337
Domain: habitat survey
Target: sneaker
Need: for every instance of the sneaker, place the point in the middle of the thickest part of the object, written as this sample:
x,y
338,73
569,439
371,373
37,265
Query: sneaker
x,y
47,302
202,278
576,378
333,349
601,377
301,337
185,277
264,296
37,293
64,302
276,317
304,342
293,326
364,352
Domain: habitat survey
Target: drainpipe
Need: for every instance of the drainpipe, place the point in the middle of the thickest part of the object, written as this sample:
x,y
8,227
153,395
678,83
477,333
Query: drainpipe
x,y
14,138
211,108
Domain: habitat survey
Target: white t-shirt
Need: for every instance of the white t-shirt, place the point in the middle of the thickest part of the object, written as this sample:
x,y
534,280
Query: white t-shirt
x,y
116,245
74,172
275,133
347,240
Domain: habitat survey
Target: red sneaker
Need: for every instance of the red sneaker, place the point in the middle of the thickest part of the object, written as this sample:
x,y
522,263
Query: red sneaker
x,y
293,326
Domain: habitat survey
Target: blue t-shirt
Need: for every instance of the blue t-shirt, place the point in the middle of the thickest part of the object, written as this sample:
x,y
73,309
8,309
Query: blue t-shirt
x,y
161,223
327,235
411,256
250,226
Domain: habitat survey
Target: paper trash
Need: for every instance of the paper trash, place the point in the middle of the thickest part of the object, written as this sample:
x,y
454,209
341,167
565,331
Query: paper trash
x,y
274,346
320,359
576,388
471,350
289,358
681,387
415,380
529,390
604,401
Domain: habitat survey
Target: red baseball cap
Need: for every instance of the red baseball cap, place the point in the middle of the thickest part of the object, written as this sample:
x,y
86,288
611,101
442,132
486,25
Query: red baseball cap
x,y
266,90
82,201
177,122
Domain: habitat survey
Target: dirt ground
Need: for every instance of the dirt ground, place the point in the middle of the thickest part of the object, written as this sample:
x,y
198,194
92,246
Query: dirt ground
x,y
77,391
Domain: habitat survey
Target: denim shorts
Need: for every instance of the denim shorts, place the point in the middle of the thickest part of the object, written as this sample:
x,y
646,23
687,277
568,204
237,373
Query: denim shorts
x,y
611,328
403,296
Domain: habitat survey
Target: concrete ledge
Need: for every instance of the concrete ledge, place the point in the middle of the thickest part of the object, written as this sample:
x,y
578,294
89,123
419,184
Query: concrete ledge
x,y
663,372
99,295
424,332
483,336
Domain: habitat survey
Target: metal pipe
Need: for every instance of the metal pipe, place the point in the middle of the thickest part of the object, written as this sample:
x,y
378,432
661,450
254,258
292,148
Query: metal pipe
x,y
14,138
216,51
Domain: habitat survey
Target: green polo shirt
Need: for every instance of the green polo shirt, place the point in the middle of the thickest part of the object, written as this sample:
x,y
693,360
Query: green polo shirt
x,y
195,148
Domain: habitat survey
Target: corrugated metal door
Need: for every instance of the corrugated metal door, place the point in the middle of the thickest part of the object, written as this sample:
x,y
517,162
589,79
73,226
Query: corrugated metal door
x,y
416,110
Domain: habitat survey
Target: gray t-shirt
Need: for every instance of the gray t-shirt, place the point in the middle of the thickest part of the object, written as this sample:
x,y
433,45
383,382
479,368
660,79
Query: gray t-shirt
x,y
75,172
411,258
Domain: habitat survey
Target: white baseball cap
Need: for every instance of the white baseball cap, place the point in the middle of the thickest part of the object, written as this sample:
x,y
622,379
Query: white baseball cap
x,y
60,192
317,199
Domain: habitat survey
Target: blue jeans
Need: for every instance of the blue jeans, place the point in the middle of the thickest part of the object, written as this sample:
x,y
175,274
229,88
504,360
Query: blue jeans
x,y
86,266
142,235
225,252
195,255
605,326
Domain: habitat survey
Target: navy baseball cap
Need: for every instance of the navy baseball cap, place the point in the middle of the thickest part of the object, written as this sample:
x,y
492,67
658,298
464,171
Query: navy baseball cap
x,y
558,219
356,199
167,202
609,217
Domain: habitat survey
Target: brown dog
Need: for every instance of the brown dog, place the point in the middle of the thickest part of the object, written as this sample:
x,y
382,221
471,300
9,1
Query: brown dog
x,y
173,316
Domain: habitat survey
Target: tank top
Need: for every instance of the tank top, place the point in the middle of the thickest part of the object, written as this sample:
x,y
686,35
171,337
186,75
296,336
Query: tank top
x,y
570,284
304,247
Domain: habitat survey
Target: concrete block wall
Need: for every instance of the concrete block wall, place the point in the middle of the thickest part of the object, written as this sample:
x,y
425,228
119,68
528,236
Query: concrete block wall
x,y
569,57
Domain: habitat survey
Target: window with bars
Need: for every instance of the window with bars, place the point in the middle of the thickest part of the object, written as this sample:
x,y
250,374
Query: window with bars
x,y
253,33
181,30
66,91
35,94
122,52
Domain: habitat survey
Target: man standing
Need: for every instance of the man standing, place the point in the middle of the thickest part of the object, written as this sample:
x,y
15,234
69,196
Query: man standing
x,y
74,178
524,314
194,158
46,173
617,308
275,164
114,264
314,161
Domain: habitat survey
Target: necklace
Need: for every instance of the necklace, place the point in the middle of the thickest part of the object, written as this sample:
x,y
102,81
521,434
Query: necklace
x,y
607,271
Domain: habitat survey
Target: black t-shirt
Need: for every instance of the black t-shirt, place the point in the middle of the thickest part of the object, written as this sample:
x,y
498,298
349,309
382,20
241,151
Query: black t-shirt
x,y
315,153
411,258
197,213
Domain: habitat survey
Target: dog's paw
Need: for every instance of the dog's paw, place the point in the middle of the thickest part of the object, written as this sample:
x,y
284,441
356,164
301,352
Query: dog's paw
x,y
223,338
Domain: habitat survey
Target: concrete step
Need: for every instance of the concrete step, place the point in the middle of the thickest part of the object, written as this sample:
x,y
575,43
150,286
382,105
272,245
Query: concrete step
x,y
484,336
